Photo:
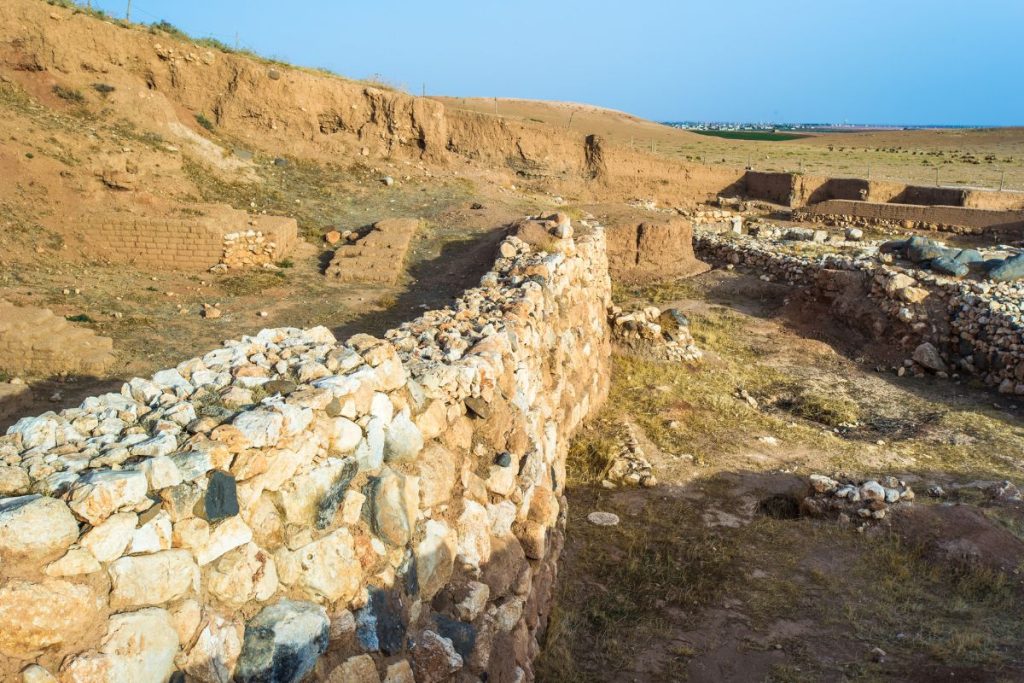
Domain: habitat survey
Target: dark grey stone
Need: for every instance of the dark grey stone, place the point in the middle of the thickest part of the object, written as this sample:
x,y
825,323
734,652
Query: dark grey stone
x,y
462,635
948,266
221,500
921,249
328,506
380,626
1009,270
283,642
969,256
504,459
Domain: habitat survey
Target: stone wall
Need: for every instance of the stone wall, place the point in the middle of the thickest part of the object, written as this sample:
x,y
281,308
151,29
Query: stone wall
x,y
975,327
264,244
288,505
999,224
187,243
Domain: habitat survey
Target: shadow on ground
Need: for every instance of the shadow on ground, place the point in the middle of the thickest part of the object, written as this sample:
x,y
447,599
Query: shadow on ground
x,y
702,581
431,283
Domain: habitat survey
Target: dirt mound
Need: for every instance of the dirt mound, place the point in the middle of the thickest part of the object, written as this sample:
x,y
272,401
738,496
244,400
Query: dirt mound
x,y
963,536
652,249
34,341
377,255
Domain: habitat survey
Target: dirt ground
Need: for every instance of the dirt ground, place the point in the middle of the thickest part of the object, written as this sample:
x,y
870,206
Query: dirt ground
x,y
703,581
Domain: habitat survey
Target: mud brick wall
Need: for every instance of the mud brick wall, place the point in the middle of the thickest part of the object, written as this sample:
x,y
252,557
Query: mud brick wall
x,y
376,256
36,342
192,243
976,327
289,505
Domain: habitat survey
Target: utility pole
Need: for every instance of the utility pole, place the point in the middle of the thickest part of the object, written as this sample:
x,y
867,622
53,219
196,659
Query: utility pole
x,y
936,177
569,125
1002,178
128,12
424,91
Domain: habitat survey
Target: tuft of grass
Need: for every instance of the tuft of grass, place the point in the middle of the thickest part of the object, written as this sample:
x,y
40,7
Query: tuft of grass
x,y
592,452
620,585
828,409
69,94
168,28
204,122
251,282
79,318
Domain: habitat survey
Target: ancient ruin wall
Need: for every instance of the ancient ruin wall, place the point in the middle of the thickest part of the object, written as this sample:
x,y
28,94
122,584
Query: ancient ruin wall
x,y
975,327
289,503
195,243
1002,224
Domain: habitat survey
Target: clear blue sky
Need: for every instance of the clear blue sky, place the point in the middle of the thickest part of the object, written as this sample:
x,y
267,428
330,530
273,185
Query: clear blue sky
x,y
866,61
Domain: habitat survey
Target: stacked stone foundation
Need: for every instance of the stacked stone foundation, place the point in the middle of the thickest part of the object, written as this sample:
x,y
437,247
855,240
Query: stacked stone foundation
x,y
289,506
976,326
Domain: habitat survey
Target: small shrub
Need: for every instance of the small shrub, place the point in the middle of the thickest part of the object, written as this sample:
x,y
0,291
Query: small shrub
x,y
168,28
103,88
829,410
285,263
204,122
68,94
215,44
79,318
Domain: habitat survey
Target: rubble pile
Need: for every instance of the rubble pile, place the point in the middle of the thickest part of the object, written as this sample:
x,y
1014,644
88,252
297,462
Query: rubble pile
x,y
653,333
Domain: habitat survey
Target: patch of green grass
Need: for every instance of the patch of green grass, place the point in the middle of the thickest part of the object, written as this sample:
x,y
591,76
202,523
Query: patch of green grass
x,y
620,586
591,453
760,136
832,410
954,614
69,94
168,28
204,122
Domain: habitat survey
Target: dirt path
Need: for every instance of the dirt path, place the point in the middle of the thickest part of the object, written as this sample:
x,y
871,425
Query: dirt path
x,y
705,579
